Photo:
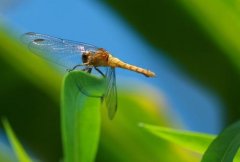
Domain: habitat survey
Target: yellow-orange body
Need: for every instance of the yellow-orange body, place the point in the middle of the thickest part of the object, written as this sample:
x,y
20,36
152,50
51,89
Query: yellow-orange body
x,y
102,58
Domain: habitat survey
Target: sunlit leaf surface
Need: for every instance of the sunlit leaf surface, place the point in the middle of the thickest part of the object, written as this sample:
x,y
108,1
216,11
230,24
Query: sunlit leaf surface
x,y
193,141
80,116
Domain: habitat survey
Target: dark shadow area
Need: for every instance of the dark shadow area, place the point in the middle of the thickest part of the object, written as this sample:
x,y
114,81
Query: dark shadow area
x,y
33,116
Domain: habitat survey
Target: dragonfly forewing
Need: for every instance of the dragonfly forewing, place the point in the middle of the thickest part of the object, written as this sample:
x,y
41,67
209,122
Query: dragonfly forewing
x,y
60,51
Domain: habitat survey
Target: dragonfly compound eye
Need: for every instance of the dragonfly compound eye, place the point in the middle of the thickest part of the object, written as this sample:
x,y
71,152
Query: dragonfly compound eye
x,y
84,57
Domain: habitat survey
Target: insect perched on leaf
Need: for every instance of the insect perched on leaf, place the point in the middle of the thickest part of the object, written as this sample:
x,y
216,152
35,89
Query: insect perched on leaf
x,y
71,55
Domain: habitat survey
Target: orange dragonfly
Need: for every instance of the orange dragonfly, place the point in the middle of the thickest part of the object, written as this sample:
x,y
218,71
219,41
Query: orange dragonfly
x,y
72,54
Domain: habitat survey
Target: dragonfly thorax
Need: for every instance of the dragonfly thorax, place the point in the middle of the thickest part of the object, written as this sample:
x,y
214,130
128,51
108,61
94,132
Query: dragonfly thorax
x,y
96,58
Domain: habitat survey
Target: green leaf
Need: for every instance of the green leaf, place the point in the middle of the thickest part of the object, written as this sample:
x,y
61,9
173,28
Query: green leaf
x,y
197,142
225,146
16,145
81,116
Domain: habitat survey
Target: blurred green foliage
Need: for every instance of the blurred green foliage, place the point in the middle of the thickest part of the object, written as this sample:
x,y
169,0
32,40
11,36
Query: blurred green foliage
x,y
197,142
202,36
223,148
123,140
15,144
30,98
6,154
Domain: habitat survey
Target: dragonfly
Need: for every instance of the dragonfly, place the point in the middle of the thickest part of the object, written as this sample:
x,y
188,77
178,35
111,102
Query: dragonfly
x,y
72,54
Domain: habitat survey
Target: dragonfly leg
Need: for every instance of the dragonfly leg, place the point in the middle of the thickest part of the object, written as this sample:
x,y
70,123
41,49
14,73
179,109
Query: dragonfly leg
x,y
75,67
99,71
87,69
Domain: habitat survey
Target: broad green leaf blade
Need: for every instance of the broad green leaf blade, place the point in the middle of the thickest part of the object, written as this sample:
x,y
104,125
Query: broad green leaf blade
x,y
197,142
225,146
16,145
80,116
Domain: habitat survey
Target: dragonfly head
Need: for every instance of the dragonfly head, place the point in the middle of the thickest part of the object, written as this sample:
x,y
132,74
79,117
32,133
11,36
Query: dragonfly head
x,y
86,57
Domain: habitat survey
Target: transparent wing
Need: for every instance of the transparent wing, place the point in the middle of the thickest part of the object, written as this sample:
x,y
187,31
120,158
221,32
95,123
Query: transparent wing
x,y
63,52
110,96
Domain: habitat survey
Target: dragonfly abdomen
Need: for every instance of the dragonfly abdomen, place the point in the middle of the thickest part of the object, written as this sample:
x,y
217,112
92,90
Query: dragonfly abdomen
x,y
115,62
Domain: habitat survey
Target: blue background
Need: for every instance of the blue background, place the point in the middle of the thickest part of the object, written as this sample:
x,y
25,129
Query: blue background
x,y
190,103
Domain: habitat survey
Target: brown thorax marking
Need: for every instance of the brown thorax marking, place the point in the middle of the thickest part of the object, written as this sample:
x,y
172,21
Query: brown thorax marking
x,y
97,58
